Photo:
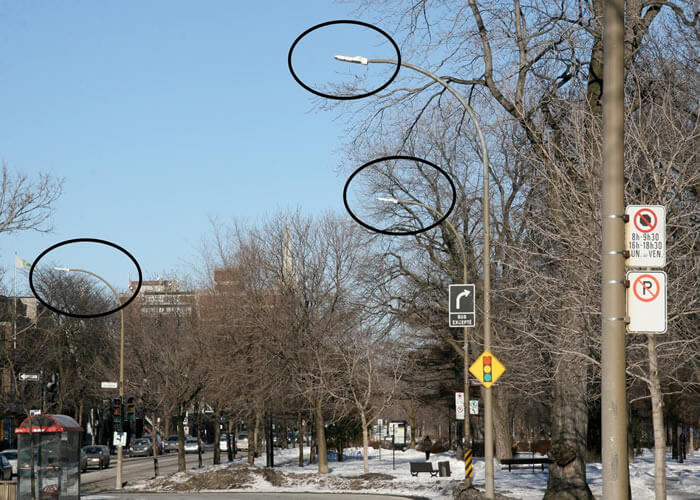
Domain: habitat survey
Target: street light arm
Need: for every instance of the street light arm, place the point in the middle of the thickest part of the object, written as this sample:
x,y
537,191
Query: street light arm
x,y
116,295
120,451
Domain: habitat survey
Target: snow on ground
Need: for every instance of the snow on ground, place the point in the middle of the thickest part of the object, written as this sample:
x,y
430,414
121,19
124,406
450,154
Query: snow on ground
x,y
683,480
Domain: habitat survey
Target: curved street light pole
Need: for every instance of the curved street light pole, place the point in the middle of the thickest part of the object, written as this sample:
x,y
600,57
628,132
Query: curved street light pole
x,y
488,402
121,361
467,423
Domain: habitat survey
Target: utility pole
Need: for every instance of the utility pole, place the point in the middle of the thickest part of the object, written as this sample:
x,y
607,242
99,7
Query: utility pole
x,y
614,397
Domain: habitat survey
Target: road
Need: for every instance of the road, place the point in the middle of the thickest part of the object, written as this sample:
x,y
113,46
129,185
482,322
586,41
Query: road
x,y
138,468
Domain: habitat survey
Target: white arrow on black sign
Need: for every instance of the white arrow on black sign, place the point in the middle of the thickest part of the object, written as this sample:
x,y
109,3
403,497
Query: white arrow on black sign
x,y
461,305
29,376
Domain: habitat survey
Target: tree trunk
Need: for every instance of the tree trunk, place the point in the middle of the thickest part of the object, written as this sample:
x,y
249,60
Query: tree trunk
x,y
412,423
300,426
691,441
321,439
501,429
251,445
365,443
674,437
217,437
657,416
180,443
231,443
259,433
199,435
154,444
567,475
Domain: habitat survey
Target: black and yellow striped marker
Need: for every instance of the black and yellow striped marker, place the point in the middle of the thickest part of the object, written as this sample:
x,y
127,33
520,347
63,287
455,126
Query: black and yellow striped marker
x,y
468,463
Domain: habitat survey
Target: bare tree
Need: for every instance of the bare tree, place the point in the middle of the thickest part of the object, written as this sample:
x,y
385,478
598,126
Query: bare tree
x,y
524,61
25,204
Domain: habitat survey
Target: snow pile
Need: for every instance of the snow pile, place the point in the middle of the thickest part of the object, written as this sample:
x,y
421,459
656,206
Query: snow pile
x,y
393,477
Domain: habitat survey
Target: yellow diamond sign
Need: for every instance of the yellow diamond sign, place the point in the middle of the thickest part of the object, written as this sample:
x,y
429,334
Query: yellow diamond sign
x,y
487,369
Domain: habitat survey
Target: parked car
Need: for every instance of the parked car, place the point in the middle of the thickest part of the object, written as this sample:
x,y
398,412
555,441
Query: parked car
x,y
170,444
140,447
5,468
97,456
11,456
222,442
159,442
191,445
242,440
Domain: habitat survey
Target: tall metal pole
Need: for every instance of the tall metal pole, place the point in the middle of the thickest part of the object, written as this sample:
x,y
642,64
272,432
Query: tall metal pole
x,y
614,398
120,449
120,455
488,407
467,430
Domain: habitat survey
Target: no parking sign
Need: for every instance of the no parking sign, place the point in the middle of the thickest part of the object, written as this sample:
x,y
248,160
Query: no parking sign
x,y
646,301
646,235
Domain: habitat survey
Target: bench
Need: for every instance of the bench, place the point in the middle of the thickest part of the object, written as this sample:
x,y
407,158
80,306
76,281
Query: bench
x,y
417,467
526,461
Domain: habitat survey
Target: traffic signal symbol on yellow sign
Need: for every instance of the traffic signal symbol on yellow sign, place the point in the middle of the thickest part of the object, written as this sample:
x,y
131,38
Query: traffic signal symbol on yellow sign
x,y
487,369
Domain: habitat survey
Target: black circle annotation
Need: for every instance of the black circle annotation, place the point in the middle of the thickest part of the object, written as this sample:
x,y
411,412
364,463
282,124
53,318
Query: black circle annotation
x,y
399,233
84,240
344,21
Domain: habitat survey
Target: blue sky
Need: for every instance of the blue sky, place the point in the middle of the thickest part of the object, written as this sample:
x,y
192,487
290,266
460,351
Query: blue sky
x,y
161,114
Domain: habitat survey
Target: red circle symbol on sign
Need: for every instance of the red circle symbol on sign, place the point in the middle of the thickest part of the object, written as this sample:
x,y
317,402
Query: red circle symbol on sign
x,y
645,218
646,283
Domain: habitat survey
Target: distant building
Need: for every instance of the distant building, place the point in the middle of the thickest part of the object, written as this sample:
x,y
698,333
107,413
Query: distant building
x,y
163,297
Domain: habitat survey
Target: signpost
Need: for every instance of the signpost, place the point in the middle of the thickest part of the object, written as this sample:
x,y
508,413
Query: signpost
x,y
646,301
646,235
109,385
462,310
34,377
459,405
487,369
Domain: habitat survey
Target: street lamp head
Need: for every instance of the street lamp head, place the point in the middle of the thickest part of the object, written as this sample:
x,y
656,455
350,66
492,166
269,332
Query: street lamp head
x,y
354,59
389,200
62,269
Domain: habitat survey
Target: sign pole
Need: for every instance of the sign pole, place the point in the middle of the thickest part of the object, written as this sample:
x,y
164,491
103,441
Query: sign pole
x,y
614,394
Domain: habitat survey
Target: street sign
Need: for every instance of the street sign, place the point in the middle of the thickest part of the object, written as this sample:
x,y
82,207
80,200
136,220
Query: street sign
x,y
119,439
646,235
34,377
109,385
459,405
462,310
646,302
474,407
487,369
34,412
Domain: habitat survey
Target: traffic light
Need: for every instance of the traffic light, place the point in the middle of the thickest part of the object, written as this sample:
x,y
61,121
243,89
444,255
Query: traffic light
x,y
488,369
117,414
130,409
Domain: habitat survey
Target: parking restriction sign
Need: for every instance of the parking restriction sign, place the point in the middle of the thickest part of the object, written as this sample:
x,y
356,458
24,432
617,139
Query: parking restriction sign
x,y
646,235
646,301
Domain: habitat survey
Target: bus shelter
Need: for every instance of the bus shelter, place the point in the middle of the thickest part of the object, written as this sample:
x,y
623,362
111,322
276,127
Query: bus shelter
x,y
48,458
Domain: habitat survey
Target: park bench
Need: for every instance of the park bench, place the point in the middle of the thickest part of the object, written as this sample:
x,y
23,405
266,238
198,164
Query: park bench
x,y
526,461
417,467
